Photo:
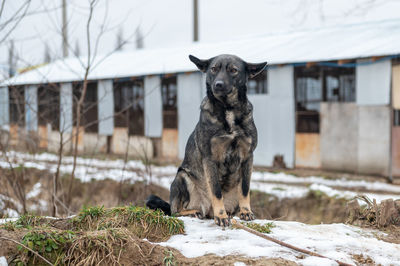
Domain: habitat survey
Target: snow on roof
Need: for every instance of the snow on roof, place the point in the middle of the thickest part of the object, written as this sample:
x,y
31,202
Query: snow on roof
x,y
378,38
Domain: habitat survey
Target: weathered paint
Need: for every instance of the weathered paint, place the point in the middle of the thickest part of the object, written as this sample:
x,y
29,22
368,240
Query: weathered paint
x,y
14,134
396,151
31,108
43,136
190,87
169,142
66,106
105,107
139,146
339,136
374,139
4,107
53,143
152,107
94,143
80,138
373,83
308,150
396,86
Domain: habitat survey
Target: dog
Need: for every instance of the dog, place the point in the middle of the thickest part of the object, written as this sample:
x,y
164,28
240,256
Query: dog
x,y
214,178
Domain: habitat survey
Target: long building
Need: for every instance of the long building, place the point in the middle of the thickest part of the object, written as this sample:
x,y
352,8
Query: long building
x,y
330,99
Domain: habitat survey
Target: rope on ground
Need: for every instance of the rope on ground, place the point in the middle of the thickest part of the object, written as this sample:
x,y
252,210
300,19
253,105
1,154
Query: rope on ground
x,y
237,224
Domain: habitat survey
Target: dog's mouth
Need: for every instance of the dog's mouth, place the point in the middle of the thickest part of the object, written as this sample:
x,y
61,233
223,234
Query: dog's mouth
x,y
222,91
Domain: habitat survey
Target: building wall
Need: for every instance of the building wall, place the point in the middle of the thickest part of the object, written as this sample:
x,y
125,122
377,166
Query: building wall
x,y
339,136
190,90
105,107
308,150
31,108
4,107
355,138
153,124
274,118
396,151
373,82
374,139
66,106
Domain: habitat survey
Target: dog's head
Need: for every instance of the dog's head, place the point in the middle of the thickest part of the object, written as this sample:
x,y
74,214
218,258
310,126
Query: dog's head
x,y
227,76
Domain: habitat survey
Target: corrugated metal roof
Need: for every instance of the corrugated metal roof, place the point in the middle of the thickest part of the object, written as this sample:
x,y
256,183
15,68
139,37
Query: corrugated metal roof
x,y
378,38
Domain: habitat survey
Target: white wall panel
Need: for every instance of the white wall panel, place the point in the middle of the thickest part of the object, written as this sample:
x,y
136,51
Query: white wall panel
x,y
31,108
153,124
373,83
105,96
281,114
4,106
66,106
190,95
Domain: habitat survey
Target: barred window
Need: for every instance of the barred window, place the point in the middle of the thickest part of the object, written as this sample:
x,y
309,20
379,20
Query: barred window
x,y
129,106
170,105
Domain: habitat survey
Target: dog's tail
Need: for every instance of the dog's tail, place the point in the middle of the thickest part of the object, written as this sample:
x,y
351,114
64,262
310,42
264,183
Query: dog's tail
x,y
156,203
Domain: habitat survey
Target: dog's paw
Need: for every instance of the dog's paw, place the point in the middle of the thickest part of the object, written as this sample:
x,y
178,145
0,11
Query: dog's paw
x,y
246,214
222,220
198,215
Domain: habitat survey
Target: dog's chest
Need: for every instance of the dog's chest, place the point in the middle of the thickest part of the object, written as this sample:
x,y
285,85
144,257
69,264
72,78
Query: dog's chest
x,y
232,145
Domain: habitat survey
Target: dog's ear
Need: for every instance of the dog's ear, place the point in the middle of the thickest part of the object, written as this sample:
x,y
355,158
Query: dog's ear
x,y
202,65
255,69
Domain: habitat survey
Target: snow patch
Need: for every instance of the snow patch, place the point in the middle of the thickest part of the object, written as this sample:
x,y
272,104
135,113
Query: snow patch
x,y
335,241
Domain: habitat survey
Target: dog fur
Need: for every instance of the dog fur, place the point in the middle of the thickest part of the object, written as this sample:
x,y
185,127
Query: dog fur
x,y
213,180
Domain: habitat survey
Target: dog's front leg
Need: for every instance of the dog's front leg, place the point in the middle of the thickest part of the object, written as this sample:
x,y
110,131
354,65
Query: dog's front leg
x,y
215,193
246,169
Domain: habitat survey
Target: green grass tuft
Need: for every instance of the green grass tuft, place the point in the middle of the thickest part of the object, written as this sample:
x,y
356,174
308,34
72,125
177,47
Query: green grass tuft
x,y
265,228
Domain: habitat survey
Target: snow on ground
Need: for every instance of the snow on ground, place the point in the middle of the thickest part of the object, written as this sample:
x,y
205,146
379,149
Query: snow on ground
x,y
336,241
280,185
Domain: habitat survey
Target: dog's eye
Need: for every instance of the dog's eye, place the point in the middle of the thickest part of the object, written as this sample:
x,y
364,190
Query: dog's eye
x,y
234,70
213,69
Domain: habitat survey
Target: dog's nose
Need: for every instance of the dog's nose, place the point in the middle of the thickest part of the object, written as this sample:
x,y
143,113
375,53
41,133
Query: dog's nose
x,y
219,84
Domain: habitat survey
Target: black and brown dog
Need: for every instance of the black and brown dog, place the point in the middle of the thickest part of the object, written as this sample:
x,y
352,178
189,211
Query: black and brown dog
x,y
214,178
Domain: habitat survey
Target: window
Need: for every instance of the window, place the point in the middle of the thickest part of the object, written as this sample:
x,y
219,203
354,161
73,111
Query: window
x,y
49,105
396,118
169,99
314,85
129,106
89,116
258,84
17,105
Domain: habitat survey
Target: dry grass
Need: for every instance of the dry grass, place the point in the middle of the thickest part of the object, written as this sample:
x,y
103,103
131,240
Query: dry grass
x,y
143,222
97,235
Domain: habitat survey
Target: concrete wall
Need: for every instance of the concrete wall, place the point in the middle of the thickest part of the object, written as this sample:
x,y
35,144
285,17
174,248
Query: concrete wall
x,y
396,151
94,143
339,136
355,138
190,95
31,108
396,86
105,107
308,150
373,83
153,124
138,146
374,139
4,107
66,106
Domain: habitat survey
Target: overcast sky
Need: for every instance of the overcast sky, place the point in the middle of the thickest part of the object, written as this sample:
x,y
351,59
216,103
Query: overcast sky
x,y
166,23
